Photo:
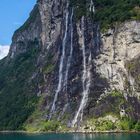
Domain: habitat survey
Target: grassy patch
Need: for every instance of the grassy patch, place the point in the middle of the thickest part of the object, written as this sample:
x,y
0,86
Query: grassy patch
x,y
112,122
51,125
103,123
127,124
137,126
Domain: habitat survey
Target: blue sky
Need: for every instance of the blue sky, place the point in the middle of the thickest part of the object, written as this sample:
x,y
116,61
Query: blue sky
x,y
13,13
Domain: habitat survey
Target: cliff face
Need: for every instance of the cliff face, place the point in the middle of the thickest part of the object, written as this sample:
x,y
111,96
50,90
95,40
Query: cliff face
x,y
119,47
77,72
119,57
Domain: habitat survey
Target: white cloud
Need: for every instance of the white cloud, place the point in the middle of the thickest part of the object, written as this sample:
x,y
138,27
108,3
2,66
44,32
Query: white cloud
x,y
4,49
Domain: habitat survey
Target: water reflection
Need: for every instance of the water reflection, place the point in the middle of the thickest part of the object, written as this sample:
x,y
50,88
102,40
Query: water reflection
x,y
109,136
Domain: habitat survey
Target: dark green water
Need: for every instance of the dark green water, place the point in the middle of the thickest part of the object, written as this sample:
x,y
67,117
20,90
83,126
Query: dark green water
x,y
70,137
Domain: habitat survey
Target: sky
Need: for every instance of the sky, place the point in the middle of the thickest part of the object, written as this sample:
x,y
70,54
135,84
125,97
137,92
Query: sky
x,y
13,13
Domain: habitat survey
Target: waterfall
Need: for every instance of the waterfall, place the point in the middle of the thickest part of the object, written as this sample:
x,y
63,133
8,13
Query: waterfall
x,y
68,63
59,87
71,52
92,8
86,79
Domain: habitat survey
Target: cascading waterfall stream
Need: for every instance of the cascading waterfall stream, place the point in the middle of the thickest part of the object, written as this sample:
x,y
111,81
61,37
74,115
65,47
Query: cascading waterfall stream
x,y
92,8
68,63
86,79
59,87
71,52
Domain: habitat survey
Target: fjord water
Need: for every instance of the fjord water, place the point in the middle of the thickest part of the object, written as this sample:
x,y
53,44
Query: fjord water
x,y
118,136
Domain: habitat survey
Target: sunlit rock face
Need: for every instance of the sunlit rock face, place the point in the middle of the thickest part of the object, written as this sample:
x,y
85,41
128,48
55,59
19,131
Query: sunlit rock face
x,y
119,46
79,72
119,60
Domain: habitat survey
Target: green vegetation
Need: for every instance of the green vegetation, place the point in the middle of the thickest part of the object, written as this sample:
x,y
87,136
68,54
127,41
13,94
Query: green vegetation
x,y
129,124
37,120
17,97
112,102
112,122
116,93
104,125
46,126
109,117
80,7
51,125
137,126
48,68
109,12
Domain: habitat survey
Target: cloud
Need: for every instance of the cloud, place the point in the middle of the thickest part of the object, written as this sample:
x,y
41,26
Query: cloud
x,y
4,49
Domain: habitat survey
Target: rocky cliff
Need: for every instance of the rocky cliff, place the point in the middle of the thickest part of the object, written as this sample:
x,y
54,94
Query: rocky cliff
x,y
63,71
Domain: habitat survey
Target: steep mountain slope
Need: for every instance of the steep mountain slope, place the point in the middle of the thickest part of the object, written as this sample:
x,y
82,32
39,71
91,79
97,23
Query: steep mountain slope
x,y
73,64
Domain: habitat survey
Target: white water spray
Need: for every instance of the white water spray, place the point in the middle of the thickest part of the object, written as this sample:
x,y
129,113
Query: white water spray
x,y
86,79
61,66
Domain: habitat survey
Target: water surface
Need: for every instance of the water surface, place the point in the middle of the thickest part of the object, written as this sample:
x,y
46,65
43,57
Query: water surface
x,y
17,136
